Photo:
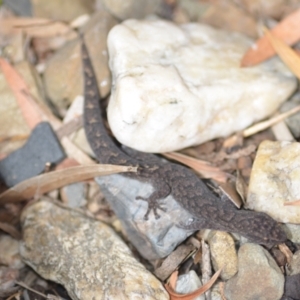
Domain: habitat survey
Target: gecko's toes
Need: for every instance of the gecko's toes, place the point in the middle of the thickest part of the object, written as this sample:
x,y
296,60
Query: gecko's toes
x,y
152,205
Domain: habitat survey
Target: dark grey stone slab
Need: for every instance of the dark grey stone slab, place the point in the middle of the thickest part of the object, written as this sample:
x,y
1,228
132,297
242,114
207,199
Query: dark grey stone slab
x,y
42,147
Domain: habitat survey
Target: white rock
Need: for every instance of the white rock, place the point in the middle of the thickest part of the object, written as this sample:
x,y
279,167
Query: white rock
x,y
275,180
177,86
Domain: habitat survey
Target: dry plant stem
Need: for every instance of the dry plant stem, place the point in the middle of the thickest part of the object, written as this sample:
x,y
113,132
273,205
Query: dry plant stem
x,y
30,289
37,186
266,124
206,267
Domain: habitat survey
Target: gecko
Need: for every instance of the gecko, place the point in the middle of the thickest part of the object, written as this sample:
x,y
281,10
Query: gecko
x,y
192,194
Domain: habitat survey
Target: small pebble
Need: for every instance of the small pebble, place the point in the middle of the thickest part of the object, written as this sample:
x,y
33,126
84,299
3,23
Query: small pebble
x,y
223,253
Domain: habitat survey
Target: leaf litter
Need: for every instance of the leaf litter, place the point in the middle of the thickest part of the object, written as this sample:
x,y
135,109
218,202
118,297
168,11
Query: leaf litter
x,y
265,47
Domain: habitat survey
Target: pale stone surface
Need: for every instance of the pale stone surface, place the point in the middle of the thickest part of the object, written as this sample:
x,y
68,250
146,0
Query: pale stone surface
x,y
223,253
294,267
258,276
63,75
84,255
275,180
9,252
177,86
66,10
126,9
293,122
188,283
292,232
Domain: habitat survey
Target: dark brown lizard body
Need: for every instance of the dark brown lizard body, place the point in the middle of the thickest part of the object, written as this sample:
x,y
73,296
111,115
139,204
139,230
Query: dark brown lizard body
x,y
170,178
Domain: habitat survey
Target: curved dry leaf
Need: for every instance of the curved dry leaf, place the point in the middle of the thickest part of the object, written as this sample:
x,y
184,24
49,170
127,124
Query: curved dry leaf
x,y
241,186
202,167
36,186
287,252
286,53
287,30
230,191
193,295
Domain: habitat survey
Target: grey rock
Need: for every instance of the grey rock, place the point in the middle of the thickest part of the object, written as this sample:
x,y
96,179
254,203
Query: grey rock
x,y
153,238
42,147
188,283
258,276
20,7
292,287
294,267
292,232
84,255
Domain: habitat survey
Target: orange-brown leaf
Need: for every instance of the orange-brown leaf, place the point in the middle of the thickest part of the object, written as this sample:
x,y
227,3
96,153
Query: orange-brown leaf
x,y
286,53
287,30
19,89
193,295
292,203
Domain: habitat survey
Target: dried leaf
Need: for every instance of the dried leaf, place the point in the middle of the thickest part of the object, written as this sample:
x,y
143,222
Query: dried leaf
x,y
286,251
287,30
266,124
241,186
11,230
34,112
234,141
36,186
229,190
19,89
193,295
292,203
200,166
286,53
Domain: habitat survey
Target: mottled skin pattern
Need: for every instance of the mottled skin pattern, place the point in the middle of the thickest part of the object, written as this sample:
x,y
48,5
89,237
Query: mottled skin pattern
x,y
167,177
